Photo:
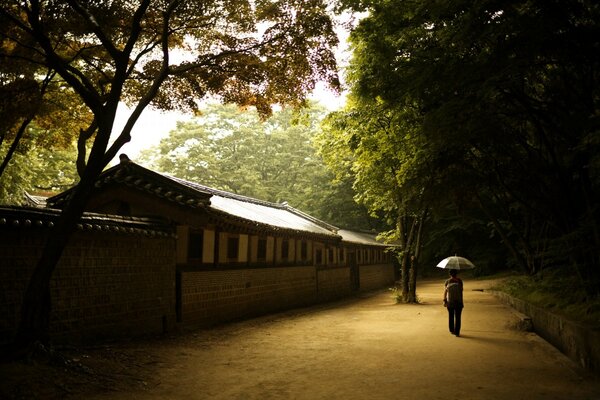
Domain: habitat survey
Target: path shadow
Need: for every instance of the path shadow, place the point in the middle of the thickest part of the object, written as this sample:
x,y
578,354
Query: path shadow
x,y
491,337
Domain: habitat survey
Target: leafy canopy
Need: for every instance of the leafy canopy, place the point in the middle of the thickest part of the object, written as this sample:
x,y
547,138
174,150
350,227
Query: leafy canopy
x,y
500,101
169,53
165,53
233,149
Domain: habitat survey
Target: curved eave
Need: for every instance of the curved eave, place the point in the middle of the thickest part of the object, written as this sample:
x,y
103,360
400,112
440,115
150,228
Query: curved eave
x,y
144,180
35,218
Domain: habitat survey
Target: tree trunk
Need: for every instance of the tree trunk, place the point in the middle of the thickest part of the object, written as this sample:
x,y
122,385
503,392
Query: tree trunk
x,y
406,241
402,238
36,307
412,283
414,265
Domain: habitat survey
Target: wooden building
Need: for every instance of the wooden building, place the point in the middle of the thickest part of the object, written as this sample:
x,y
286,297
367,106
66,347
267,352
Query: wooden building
x,y
232,256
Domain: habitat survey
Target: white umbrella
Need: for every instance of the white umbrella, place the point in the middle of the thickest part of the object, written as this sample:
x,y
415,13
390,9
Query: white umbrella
x,y
455,262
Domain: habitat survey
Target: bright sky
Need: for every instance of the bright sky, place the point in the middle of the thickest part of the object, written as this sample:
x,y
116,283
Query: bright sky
x,y
153,125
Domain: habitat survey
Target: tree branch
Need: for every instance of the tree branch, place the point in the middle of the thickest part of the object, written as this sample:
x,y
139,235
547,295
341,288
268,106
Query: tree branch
x,y
83,87
136,26
84,136
162,75
91,20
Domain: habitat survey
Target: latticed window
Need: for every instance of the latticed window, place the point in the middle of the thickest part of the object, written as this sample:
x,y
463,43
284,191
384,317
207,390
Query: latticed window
x,y
233,246
261,253
285,249
303,250
195,243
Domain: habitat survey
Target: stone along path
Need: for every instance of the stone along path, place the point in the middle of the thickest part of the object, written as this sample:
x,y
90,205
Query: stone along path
x,y
366,348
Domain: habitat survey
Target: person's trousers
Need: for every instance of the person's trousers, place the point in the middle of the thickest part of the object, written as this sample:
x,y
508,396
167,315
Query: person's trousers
x,y
454,314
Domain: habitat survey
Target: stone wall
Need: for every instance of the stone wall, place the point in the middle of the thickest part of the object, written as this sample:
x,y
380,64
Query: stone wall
x,y
578,342
212,296
333,283
105,285
116,278
376,276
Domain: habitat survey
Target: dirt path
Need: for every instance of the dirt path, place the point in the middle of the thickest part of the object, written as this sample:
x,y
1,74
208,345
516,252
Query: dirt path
x,y
366,348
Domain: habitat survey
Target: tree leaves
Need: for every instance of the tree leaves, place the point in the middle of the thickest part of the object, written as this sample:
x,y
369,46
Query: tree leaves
x,y
497,97
233,149
108,52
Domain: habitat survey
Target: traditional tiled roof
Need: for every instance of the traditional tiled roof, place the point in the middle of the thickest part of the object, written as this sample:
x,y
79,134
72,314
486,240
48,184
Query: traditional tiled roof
x,y
35,201
240,209
364,238
156,184
274,214
221,204
47,218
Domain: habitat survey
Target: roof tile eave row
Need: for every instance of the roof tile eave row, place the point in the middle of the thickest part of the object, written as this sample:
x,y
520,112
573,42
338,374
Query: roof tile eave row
x,y
13,217
238,208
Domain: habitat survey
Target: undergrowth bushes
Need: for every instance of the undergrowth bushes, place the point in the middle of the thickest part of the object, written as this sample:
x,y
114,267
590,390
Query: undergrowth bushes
x,y
557,292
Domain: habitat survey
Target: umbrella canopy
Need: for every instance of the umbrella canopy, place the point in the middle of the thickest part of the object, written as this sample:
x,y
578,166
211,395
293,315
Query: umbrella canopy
x,y
455,262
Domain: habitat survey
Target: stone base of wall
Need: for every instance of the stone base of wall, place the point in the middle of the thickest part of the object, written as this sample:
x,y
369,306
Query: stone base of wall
x,y
578,342
376,276
210,297
333,283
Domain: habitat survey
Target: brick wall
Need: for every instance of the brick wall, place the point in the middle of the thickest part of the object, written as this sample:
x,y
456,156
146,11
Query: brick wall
x,y
117,278
109,282
334,283
376,276
209,297
123,284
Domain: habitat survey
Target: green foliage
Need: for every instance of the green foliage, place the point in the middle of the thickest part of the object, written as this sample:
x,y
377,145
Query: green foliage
x,y
486,111
373,145
171,54
37,170
553,290
16,181
235,150
397,295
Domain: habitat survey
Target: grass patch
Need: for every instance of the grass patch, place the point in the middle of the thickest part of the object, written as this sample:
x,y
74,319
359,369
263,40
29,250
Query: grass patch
x,y
396,294
558,293
399,299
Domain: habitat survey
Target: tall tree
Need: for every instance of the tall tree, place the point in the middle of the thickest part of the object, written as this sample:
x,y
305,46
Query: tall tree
x,y
168,53
272,159
506,95
379,148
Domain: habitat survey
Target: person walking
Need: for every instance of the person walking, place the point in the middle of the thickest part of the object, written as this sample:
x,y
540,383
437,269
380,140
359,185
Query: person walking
x,y
453,301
